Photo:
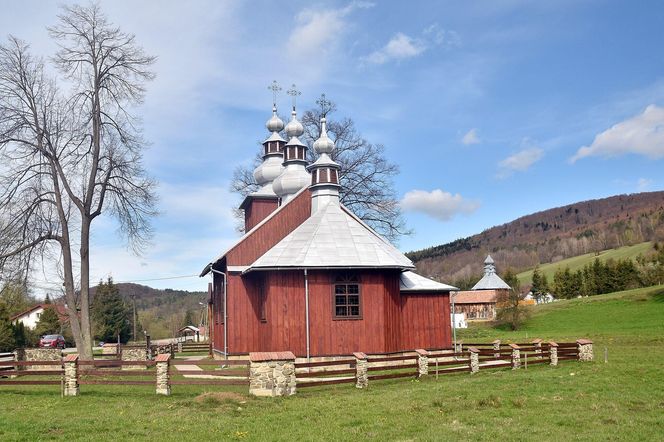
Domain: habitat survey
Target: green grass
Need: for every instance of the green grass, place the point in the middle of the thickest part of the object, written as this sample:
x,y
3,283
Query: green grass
x,y
620,400
577,262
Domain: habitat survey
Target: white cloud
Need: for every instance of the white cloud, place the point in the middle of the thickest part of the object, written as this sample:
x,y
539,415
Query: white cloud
x,y
437,203
644,184
318,29
471,137
402,46
642,134
398,48
520,161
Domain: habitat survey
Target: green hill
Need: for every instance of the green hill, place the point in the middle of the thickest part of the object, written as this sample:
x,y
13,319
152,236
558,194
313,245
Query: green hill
x,y
631,315
577,262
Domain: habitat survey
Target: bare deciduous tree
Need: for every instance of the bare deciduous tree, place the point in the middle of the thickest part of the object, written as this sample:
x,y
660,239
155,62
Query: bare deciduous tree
x,y
66,158
366,175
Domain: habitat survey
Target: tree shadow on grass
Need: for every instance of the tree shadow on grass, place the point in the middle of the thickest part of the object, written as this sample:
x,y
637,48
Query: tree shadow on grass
x,y
658,296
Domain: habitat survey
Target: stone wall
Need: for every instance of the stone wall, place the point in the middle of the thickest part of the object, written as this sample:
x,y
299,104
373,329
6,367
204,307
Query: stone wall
x,y
109,349
165,349
40,354
134,354
272,374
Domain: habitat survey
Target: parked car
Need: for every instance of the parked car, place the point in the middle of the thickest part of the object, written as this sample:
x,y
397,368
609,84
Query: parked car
x,y
52,341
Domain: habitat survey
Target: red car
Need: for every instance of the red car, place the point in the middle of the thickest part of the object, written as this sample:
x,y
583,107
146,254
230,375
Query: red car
x,y
52,341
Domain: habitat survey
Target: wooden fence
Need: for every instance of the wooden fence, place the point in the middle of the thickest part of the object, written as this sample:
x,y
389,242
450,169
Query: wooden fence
x,y
116,372
358,369
5,358
193,347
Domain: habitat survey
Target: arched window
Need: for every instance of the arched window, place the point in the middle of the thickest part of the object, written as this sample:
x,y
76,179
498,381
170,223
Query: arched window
x,y
346,294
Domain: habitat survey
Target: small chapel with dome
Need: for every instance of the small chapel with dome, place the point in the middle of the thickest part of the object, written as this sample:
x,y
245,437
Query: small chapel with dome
x,y
308,275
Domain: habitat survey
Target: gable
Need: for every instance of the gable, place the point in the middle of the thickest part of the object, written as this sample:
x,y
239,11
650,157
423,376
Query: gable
x,y
272,230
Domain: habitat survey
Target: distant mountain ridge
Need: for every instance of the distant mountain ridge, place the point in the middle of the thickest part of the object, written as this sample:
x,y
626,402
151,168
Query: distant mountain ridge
x,y
549,236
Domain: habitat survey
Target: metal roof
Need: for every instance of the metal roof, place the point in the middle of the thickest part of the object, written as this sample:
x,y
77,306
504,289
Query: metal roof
x,y
412,282
491,281
332,238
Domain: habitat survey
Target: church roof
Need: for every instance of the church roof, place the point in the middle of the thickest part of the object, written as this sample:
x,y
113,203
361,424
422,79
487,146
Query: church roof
x,y
332,238
491,281
412,282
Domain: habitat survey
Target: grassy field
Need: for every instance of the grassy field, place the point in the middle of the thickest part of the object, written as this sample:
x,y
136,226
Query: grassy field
x,y
578,262
620,400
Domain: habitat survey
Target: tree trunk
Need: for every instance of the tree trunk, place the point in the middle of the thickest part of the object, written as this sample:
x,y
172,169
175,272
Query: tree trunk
x,y
85,350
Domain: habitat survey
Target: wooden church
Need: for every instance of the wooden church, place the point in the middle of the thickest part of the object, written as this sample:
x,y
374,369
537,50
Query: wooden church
x,y
309,276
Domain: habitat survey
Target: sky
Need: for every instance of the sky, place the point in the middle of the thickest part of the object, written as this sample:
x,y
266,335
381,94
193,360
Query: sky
x,y
492,109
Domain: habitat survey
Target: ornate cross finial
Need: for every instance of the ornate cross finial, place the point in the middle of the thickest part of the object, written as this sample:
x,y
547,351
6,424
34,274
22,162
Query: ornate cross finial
x,y
275,88
293,92
326,105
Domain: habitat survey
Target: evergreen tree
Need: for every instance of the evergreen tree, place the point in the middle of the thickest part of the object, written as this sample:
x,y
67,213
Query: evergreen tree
x,y
511,310
110,314
7,341
48,323
540,284
189,319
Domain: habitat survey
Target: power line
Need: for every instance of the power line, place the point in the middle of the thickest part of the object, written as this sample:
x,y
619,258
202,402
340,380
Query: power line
x,y
157,279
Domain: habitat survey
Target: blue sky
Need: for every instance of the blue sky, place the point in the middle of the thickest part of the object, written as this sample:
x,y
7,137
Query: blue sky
x,y
493,109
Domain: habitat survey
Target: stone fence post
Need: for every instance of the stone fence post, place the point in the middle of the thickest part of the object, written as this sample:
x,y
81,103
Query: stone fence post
x,y
179,347
553,353
496,348
422,362
70,374
272,373
585,349
538,348
474,360
361,372
19,355
163,377
516,356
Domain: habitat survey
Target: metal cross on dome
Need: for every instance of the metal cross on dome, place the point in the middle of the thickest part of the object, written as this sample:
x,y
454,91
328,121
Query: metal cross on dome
x,y
325,105
293,92
275,88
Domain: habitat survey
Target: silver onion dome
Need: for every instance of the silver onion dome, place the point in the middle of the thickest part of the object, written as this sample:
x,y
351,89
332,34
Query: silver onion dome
x,y
323,144
294,128
274,124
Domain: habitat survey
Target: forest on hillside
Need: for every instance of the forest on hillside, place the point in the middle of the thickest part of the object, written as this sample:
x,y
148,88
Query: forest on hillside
x,y
549,236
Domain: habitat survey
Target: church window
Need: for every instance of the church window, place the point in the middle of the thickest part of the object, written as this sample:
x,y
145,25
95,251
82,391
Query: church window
x,y
347,297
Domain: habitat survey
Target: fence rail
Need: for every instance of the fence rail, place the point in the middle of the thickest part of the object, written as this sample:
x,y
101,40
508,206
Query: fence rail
x,y
264,373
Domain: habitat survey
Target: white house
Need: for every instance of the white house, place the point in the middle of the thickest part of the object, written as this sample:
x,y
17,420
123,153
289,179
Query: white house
x,y
30,317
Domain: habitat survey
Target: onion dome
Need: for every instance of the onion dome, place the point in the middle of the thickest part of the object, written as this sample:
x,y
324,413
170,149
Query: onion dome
x,y
294,128
274,124
323,144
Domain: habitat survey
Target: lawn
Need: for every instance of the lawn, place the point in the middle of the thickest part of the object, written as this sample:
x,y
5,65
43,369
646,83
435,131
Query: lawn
x,y
577,262
620,400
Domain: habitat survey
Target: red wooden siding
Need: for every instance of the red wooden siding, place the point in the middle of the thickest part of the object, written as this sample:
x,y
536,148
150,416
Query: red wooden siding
x,y
390,321
425,320
273,231
257,210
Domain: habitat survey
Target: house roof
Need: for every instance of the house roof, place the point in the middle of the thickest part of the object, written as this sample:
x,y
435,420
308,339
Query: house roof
x,y
59,309
332,238
412,282
475,297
